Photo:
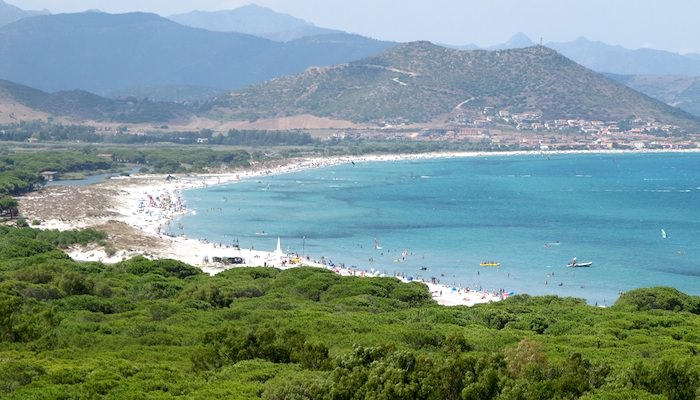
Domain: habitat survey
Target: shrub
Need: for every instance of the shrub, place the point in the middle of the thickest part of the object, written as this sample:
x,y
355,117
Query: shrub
x,y
15,374
658,298
73,283
168,267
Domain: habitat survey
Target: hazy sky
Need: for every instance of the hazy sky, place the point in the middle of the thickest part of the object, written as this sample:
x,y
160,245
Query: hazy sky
x,y
667,25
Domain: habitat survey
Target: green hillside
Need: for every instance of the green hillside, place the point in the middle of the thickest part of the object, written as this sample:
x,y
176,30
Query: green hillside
x,y
680,91
420,81
143,329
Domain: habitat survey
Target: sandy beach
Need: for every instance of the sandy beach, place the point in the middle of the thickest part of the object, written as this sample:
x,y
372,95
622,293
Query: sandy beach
x,y
136,210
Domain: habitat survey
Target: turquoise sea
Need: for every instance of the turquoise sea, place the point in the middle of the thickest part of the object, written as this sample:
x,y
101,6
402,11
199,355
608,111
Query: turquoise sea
x,y
444,216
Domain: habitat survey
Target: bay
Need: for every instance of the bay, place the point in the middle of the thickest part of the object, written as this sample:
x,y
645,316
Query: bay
x,y
439,218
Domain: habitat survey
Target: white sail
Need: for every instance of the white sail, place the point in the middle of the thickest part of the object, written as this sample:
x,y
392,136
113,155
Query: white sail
x,y
278,250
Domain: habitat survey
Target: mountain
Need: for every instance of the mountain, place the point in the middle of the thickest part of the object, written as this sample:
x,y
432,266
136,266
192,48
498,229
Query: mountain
x,y
167,93
10,13
679,91
517,41
669,77
666,76
81,105
412,82
253,20
102,53
417,82
603,57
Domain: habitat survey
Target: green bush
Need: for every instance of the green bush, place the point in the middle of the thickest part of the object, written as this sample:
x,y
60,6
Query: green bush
x,y
15,374
658,298
172,268
96,304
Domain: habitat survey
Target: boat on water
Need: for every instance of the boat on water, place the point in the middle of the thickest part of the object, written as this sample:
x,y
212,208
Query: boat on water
x,y
575,264
489,264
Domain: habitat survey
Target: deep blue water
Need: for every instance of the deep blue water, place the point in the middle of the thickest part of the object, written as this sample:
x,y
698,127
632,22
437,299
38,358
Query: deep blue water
x,y
530,213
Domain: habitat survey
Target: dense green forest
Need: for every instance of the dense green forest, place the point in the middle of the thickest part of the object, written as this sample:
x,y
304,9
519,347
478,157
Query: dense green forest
x,y
143,329
80,149
266,140
177,160
56,132
20,170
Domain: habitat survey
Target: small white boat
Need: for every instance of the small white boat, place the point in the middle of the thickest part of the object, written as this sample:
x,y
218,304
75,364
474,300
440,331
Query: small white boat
x,y
575,264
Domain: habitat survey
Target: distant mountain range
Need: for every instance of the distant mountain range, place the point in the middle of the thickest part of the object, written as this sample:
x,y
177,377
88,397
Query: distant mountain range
x,y
10,13
79,105
253,20
418,82
267,23
517,41
606,58
666,76
103,53
598,56
409,83
602,57
146,56
679,91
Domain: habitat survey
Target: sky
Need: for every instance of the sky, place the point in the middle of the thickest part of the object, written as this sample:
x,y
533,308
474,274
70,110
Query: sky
x,y
659,24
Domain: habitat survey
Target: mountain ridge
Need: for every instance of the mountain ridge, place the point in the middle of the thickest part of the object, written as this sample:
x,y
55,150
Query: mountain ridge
x,y
677,90
253,20
10,13
416,82
606,58
79,105
603,57
420,82
101,53
115,61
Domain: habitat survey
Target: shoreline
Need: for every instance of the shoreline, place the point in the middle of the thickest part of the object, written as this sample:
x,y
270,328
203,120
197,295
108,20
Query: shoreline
x,y
149,203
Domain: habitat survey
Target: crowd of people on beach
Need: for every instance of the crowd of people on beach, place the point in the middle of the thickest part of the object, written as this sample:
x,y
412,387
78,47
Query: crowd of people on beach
x,y
157,208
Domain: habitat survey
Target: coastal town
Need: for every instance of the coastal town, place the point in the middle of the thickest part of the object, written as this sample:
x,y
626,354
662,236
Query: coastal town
x,y
503,130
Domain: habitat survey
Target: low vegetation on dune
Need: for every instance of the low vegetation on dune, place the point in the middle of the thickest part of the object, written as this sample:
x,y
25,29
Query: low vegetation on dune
x,y
157,329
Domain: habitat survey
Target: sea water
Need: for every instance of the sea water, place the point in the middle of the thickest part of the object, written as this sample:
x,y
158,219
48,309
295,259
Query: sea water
x,y
440,218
